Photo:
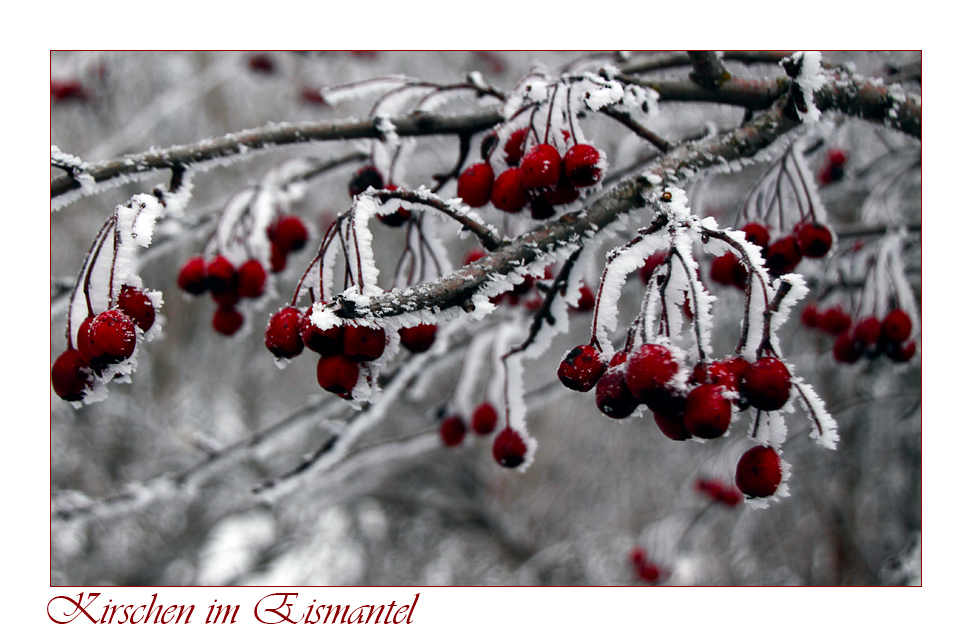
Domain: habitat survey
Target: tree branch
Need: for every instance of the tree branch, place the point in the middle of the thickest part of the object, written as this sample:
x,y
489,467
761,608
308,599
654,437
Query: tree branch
x,y
708,71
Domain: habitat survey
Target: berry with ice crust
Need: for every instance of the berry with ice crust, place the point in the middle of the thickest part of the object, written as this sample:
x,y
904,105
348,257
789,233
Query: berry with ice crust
x,y
759,472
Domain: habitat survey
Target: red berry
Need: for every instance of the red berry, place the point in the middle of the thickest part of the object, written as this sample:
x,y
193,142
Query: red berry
x,y
475,184
220,274
84,344
815,240
582,165
581,368
252,279
484,419
757,234
311,95
847,349
836,157
508,193
396,219
365,177
63,90
227,320
337,374
70,376
192,276
540,167
452,431
834,320
363,343
651,263
783,256
868,330
509,450
726,372
136,304
759,472
290,234
650,368
111,336
896,326
612,396
727,270
901,352
228,297
261,63
586,301
767,384
707,412
541,209
637,555
809,316
329,341
672,426
473,255
563,193
514,146
278,258
419,338
282,336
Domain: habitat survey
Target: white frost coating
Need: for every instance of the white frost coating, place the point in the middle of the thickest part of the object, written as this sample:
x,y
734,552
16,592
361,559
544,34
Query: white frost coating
x,y
176,201
508,335
783,491
698,296
464,396
770,428
809,182
817,411
532,88
323,317
361,90
388,131
809,79
906,299
797,292
598,98
149,210
358,242
229,240
67,159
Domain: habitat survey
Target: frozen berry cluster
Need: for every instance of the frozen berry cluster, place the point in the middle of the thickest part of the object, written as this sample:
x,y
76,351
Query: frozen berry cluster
x,y
866,336
369,177
809,239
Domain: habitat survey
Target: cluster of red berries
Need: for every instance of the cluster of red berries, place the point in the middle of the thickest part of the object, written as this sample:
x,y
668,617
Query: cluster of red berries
x,y
833,168
809,239
537,176
483,421
103,340
369,177
718,491
868,336
646,570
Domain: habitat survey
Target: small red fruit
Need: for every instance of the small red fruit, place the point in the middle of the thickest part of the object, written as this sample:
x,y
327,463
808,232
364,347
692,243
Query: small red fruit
x,y
111,336
834,320
896,326
452,431
290,234
227,320
586,301
868,330
473,255
581,368
484,419
727,270
63,90
759,472
612,396
365,177
419,338
726,372
220,274
783,256
901,352
363,343
509,194
847,349
672,426
757,234
563,193
509,450
651,263
815,240
836,157
541,209
396,219
278,258
252,279
70,376
649,369
261,63
192,276
337,374
810,316
475,184
767,384
282,336
136,304
514,146
84,344
228,297
540,167
329,341
582,165
707,412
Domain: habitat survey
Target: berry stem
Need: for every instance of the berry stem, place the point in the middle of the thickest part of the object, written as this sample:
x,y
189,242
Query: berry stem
x,y
692,279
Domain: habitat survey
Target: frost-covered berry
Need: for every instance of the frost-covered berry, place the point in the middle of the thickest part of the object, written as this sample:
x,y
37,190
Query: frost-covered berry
x,y
707,411
227,320
896,326
767,384
541,209
868,330
650,264
815,240
84,344
757,234
111,336
329,341
220,274
513,148
363,343
834,320
649,369
70,376
540,167
783,256
727,270
484,419
726,372
136,304
365,177
475,184
847,349
508,193
673,426
251,279
192,276
581,368
337,374
419,338
901,352
282,335
759,472
563,193
452,431
509,449
290,233
473,255
396,219
612,396
582,165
